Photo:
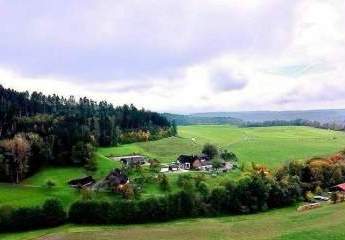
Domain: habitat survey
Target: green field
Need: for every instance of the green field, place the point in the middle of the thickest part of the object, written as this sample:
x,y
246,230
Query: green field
x,y
271,146
327,222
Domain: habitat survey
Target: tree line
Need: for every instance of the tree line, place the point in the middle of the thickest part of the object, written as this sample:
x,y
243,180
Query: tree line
x,y
36,129
297,122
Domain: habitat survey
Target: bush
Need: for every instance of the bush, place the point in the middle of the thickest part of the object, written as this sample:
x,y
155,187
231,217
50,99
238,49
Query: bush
x,y
219,199
53,212
5,217
28,218
203,189
123,212
86,194
186,182
228,156
217,163
334,197
49,184
89,212
152,209
91,163
164,183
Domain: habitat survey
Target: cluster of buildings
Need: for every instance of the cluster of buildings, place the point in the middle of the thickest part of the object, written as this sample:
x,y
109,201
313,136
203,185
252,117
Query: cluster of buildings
x,y
197,163
116,179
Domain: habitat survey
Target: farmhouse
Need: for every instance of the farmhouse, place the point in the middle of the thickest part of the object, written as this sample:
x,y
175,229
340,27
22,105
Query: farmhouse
x,y
133,160
196,162
116,179
82,182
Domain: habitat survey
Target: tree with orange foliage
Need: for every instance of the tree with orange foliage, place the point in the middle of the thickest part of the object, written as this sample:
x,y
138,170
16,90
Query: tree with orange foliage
x,y
19,148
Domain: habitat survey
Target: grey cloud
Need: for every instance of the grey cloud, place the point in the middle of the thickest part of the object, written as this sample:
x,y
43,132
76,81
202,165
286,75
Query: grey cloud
x,y
224,80
299,95
121,87
114,40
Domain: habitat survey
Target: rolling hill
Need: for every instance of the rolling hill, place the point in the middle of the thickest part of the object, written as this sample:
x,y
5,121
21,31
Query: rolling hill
x,y
322,116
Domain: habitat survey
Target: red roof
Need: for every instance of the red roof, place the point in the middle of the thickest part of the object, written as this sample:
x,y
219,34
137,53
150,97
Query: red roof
x,y
341,187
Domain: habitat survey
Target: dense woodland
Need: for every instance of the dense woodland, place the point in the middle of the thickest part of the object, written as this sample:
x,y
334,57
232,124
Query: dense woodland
x,y
37,130
337,126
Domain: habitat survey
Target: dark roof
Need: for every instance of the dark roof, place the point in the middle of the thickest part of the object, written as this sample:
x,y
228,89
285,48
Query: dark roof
x,y
116,177
191,158
82,181
133,159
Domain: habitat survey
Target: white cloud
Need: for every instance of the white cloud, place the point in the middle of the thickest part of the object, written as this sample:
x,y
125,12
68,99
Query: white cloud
x,y
264,57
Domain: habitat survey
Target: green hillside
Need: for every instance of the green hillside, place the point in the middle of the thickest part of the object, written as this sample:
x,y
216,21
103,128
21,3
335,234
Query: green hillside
x,y
270,146
327,222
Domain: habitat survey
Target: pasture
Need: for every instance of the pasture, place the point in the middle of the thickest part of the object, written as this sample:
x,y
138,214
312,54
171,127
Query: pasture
x,y
327,222
271,146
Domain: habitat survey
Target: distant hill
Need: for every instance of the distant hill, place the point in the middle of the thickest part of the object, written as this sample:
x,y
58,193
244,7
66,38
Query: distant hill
x,y
322,116
191,119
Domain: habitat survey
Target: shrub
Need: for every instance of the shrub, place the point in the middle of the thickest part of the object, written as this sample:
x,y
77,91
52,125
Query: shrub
x,y
26,219
152,209
228,156
186,182
86,194
203,189
49,184
89,212
123,212
334,197
91,163
217,163
164,182
128,191
219,199
309,196
53,212
5,217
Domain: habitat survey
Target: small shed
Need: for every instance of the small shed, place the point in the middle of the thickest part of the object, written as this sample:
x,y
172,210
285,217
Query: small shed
x,y
82,182
133,160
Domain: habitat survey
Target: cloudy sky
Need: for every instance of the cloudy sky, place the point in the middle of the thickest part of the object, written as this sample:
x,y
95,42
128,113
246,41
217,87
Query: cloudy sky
x,y
178,55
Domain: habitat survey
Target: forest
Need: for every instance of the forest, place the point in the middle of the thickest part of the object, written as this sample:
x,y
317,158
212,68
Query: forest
x,y
38,130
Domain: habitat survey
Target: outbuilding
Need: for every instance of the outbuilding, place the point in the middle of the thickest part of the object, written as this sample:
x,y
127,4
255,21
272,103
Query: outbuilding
x,y
82,182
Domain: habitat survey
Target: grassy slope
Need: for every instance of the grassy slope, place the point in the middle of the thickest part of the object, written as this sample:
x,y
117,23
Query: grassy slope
x,y
30,192
270,146
327,222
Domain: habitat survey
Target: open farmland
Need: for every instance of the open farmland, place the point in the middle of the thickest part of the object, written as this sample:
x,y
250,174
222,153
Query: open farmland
x,y
271,146
283,224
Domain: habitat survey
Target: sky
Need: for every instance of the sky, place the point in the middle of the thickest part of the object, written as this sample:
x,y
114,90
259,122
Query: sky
x,y
181,56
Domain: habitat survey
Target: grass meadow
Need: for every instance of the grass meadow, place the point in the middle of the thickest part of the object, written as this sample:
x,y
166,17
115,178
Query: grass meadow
x,y
270,146
327,222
